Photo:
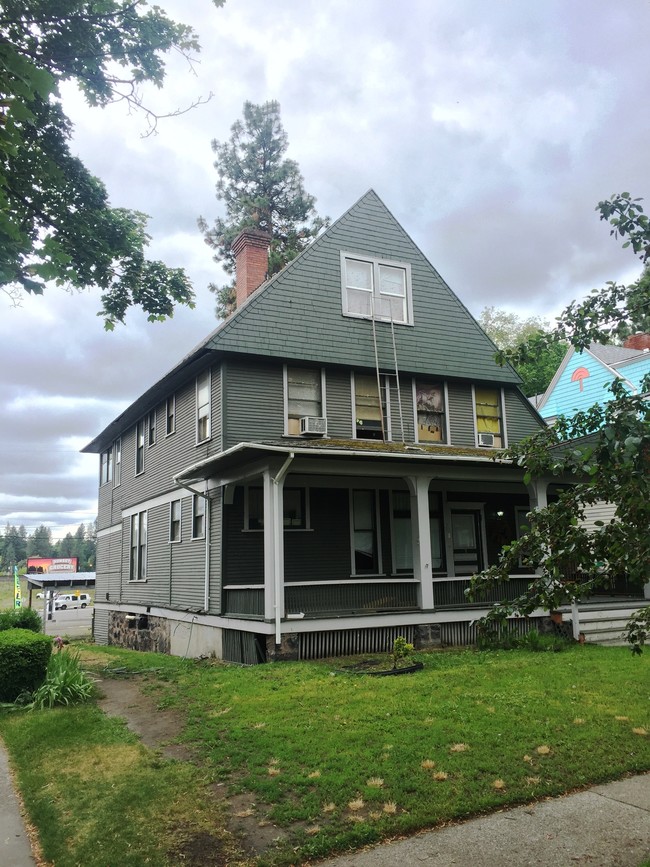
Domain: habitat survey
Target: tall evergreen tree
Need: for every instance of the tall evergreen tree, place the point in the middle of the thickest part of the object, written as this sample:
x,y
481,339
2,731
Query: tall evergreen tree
x,y
261,189
39,544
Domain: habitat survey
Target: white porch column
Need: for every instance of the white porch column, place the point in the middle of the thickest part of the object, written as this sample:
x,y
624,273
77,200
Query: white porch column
x,y
273,547
421,535
537,494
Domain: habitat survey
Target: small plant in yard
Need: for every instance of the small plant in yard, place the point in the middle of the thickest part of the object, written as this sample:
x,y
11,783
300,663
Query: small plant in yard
x,y
65,682
637,631
401,651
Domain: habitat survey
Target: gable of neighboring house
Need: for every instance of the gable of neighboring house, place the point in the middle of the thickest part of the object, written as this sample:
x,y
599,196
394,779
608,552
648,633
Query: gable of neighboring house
x,y
583,378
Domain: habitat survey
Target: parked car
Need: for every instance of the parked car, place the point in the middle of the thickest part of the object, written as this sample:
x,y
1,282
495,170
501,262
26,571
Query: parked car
x,y
71,600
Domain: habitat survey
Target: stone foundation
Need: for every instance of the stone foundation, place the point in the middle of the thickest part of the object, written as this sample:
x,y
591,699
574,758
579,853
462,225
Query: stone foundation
x,y
427,635
139,632
286,651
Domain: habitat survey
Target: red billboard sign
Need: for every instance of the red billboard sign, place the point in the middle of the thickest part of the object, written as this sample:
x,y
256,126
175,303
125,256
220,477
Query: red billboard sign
x,y
47,565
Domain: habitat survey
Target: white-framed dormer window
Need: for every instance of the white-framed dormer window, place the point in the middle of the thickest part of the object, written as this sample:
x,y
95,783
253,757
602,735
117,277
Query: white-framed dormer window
x,y
203,407
139,447
489,417
304,389
430,413
376,287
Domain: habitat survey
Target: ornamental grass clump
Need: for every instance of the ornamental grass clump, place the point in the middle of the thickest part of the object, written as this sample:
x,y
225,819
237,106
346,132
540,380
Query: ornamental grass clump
x,y
65,683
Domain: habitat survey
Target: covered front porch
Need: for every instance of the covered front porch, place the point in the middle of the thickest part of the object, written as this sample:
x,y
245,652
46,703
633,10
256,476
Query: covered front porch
x,y
321,533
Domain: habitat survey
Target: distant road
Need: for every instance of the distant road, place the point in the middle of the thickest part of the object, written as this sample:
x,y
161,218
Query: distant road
x,y
75,622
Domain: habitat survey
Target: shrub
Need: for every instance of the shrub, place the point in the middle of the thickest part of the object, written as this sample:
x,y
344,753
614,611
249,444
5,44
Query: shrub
x,y
20,618
500,638
23,661
65,682
637,631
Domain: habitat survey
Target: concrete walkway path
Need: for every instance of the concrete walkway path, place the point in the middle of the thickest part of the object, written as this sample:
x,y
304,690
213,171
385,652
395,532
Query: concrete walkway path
x,y
15,850
606,826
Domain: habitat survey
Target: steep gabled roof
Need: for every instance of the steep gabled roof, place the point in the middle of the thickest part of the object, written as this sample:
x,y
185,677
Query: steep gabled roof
x,y
297,315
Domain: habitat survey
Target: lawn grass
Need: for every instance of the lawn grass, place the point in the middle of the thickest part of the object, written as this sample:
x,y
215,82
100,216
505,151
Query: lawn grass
x,y
340,760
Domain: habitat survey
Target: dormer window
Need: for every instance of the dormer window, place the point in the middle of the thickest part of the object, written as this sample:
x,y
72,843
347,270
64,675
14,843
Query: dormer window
x,y
376,288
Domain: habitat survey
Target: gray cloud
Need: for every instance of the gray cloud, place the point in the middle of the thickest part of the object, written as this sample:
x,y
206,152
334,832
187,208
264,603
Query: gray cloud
x,y
490,130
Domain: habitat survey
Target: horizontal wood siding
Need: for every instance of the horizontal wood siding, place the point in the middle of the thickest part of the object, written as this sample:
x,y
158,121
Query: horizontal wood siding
x,y
109,565
339,404
100,626
322,554
406,395
253,402
243,552
188,566
521,419
155,590
600,511
461,415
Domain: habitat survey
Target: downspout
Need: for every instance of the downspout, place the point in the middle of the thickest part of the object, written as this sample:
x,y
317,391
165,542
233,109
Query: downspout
x,y
206,575
277,480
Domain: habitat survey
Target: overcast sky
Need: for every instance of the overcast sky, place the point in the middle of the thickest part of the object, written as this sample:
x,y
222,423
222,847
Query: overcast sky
x,y
490,130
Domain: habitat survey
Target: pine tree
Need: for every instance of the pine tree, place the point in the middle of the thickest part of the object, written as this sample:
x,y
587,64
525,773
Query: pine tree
x,y
261,189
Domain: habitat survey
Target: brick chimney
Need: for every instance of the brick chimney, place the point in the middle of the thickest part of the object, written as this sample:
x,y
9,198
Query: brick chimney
x,y
251,249
638,341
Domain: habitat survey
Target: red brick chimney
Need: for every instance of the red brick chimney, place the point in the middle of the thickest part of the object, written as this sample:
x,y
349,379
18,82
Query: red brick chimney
x,y
638,341
251,249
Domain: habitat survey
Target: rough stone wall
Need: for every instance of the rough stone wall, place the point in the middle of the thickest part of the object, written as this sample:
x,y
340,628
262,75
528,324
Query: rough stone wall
x,y
139,632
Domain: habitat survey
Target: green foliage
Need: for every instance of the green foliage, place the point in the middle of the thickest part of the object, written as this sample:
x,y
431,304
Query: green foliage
x,y
56,223
401,650
497,637
261,189
23,661
604,453
20,618
637,631
508,331
65,682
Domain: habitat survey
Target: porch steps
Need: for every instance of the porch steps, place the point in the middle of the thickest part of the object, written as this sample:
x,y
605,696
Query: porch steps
x,y
604,622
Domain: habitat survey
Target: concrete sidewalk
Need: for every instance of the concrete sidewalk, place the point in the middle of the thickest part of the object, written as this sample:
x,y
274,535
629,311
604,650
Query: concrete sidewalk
x,y
15,850
606,826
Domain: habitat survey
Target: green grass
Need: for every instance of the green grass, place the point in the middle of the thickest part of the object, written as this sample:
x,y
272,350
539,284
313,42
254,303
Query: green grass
x,y
336,759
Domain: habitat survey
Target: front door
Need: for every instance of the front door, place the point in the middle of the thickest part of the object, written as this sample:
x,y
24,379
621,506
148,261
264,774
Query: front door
x,y
467,539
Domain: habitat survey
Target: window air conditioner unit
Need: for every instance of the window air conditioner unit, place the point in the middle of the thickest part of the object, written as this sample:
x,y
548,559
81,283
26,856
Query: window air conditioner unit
x,y
486,439
313,427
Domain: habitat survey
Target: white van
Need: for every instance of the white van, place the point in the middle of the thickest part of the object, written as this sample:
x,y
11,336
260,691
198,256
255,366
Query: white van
x,y
71,600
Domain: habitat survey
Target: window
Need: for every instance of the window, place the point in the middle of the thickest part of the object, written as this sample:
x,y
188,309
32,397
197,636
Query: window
x,y
198,517
365,549
151,429
402,533
304,396
138,563
118,461
368,409
294,508
170,415
139,447
376,287
438,561
203,407
430,411
175,521
489,428
106,466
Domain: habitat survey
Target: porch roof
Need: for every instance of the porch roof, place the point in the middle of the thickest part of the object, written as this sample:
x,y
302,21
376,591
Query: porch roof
x,y
361,450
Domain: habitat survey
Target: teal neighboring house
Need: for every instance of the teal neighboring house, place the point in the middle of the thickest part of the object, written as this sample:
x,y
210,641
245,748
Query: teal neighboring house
x,y
582,377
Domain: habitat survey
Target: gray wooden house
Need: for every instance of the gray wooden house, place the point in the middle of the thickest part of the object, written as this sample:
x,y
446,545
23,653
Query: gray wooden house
x,y
321,474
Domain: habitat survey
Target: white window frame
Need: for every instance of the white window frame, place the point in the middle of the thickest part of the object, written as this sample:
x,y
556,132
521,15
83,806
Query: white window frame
x,y
375,304
106,467
170,415
424,380
207,406
285,380
502,415
380,565
384,391
152,421
173,522
307,512
199,513
138,547
140,440
117,462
